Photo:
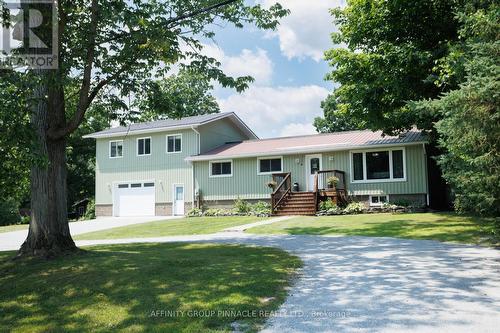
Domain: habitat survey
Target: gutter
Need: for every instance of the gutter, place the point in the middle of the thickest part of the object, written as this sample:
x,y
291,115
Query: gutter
x,y
292,151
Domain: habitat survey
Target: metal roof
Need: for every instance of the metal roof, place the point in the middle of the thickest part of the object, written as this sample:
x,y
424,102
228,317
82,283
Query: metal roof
x,y
310,144
167,124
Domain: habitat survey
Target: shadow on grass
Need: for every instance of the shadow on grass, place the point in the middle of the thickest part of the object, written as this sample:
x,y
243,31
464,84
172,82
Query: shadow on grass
x,y
122,287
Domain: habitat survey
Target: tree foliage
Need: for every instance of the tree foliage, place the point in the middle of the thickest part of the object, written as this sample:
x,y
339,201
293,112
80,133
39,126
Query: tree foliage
x,y
387,57
185,94
469,128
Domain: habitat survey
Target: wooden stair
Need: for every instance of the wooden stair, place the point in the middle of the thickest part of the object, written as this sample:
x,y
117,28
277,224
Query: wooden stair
x,y
297,203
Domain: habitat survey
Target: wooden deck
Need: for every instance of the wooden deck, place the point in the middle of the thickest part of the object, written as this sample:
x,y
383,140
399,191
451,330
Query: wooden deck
x,y
286,202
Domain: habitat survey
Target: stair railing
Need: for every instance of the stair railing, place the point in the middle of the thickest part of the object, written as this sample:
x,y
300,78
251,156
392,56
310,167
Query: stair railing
x,y
282,191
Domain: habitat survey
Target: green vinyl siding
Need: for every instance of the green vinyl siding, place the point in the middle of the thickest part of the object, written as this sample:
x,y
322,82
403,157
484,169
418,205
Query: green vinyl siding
x,y
164,168
247,184
217,133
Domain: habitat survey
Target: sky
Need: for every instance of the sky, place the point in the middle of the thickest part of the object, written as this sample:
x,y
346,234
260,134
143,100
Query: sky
x,y
287,65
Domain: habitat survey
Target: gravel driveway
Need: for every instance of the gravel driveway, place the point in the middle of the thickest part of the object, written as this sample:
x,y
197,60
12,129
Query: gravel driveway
x,y
363,284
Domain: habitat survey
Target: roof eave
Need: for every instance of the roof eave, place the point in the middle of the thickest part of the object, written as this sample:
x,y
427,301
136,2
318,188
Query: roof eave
x,y
292,151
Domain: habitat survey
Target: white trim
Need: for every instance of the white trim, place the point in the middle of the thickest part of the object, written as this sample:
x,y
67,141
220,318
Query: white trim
x,y
269,158
244,127
174,195
307,168
380,204
137,146
110,141
294,151
219,176
166,143
365,179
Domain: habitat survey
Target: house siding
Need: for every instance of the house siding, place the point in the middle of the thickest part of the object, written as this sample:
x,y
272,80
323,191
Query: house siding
x,y
165,169
245,183
217,133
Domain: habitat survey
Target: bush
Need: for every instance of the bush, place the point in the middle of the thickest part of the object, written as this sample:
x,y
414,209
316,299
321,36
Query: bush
x,y
354,208
327,205
195,212
241,206
90,211
9,212
260,208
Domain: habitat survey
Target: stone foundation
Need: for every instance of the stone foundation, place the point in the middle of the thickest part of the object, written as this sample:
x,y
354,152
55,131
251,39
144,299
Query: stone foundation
x,y
103,210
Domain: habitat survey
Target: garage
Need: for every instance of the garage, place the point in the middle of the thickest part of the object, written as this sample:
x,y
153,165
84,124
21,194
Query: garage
x,y
134,199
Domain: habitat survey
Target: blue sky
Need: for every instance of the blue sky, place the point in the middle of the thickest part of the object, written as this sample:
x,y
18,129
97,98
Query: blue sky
x,y
287,65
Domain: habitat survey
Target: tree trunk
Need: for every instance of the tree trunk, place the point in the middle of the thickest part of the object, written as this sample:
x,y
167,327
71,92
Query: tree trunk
x,y
49,234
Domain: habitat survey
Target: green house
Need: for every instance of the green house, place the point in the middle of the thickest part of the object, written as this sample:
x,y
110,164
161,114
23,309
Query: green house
x,y
167,167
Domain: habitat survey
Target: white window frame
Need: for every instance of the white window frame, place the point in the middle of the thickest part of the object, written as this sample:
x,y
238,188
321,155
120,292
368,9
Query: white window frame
x,y
219,161
367,181
380,204
269,158
115,141
166,143
150,146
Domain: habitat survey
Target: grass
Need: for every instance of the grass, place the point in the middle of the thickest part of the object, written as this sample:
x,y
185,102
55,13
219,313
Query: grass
x,y
447,227
14,227
187,226
125,287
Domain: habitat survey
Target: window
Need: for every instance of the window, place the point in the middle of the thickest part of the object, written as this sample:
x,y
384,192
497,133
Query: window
x,y
378,200
116,149
221,169
135,185
149,184
123,186
379,165
357,163
174,143
269,165
144,146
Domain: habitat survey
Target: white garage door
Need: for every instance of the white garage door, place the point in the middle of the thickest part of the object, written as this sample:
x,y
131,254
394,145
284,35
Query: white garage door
x,y
134,199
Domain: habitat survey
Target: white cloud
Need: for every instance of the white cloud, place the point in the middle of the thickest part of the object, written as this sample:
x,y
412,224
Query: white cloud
x,y
298,129
306,31
279,111
256,63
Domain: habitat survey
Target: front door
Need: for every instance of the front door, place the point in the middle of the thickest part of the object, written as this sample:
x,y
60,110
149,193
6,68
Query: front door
x,y
178,200
313,165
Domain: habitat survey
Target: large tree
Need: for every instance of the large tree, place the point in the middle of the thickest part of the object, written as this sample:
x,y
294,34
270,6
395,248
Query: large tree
x,y
469,129
107,49
387,55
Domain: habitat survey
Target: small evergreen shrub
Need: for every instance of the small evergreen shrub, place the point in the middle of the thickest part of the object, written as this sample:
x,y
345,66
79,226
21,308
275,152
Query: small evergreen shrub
x,y
90,211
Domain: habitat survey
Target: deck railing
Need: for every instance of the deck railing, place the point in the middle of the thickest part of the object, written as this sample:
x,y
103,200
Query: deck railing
x,y
283,189
322,184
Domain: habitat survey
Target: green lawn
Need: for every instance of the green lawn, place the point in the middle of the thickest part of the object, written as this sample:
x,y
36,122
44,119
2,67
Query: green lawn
x,y
186,226
436,226
120,288
14,227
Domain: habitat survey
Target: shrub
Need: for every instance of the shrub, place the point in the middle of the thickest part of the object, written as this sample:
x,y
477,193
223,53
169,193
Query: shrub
x,y
261,208
90,211
241,206
327,205
403,203
354,208
195,212
9,212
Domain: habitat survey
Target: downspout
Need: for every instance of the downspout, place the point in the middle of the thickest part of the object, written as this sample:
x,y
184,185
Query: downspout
x,y
198,151
426,175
